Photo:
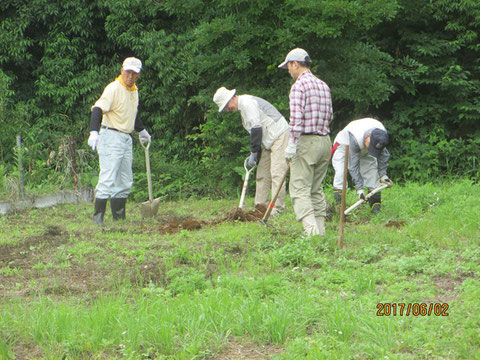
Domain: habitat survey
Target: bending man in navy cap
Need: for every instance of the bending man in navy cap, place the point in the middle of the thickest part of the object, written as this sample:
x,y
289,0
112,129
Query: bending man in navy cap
x,y
367,160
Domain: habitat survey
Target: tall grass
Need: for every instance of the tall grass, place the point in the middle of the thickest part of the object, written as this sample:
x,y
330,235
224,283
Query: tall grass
x,y
187,295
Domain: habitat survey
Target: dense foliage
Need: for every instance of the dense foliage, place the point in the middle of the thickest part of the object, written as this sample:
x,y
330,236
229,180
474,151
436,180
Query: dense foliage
x,y
413,64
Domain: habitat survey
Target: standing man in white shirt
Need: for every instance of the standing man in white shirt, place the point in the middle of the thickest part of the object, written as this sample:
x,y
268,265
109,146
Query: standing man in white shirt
x,y
114,117
367,160
269,135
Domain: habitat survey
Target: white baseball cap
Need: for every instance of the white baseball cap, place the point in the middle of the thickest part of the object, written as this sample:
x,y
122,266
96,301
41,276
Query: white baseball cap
x,y
295,55
132,63
222,97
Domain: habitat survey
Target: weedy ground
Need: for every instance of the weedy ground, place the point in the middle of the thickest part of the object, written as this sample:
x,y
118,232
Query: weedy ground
x,y
214,288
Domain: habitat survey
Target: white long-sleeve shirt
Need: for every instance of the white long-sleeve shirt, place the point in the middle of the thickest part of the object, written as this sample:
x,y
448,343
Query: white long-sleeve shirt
x,y
354,135
257,112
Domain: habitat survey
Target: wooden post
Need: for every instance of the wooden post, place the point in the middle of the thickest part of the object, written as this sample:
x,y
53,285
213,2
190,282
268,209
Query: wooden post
x,y
71,141
21,174
344,195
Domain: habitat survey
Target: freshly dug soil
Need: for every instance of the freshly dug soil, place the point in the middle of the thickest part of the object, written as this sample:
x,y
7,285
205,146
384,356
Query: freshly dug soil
x,y
395,224
254,215
174,225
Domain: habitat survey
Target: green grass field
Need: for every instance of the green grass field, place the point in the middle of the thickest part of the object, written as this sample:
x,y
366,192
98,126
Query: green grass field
x,y
70,290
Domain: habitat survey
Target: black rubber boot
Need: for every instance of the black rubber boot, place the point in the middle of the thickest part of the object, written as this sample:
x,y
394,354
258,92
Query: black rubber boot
x,y
375,203
99,212
118,208
337,194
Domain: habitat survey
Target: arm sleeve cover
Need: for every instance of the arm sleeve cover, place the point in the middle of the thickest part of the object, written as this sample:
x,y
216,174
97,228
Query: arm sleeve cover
x,y
383,162
138,119
96,119
256,139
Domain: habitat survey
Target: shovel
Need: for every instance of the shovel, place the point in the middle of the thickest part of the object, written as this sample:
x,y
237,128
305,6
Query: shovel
x,y
245,183
149,208
369,195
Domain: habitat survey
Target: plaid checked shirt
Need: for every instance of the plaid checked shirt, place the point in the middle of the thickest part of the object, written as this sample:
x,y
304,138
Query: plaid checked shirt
x,y
310,106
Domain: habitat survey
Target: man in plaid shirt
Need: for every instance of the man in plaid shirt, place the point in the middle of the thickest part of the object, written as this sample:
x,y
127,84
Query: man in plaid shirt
x,y
309,144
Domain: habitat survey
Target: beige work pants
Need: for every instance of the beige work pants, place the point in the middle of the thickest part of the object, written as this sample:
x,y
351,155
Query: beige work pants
x,y
307,171
270,171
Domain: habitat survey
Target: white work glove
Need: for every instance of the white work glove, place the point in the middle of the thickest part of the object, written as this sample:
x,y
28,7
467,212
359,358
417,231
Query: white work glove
x,y
252,160
93,139
384,179
290,150
361,194
144,137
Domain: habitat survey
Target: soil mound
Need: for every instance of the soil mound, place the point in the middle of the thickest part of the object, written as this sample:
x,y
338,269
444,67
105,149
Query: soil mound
x,y
395,224
181,223
176,225
241,215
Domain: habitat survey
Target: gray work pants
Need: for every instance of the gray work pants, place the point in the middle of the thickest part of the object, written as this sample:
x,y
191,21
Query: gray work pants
x,y
115,152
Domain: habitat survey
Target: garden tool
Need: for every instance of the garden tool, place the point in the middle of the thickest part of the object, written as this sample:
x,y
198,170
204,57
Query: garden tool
x,y
368,196
149,208
245,183
274,199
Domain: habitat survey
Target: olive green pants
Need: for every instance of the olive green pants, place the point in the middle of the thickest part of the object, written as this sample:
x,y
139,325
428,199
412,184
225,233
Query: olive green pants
x,y
307,172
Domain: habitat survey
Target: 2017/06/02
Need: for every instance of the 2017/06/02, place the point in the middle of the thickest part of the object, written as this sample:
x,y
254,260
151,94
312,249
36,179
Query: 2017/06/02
x,y
412,309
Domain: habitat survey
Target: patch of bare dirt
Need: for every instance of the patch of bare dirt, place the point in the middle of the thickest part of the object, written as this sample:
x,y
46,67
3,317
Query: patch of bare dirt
x,y
20,255
188,224
397,224
27,351
75,278
248,351
171,224
149,271
448,287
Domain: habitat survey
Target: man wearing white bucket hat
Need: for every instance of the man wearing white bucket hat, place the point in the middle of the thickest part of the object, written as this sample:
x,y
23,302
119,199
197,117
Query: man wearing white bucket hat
x,y
269,135
114,117
309,144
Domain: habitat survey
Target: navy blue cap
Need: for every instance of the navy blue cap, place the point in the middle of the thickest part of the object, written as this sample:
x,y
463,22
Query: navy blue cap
x,y
378,141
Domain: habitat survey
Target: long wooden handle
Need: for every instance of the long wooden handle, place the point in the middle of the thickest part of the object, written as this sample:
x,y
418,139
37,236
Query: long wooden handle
x,y
244,190
344,195
149,175
369,195
274,199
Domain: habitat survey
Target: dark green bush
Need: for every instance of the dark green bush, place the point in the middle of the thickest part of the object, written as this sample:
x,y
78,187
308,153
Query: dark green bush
x,y
413,64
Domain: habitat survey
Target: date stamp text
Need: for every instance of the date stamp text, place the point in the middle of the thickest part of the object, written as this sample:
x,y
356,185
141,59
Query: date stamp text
x,y
412,309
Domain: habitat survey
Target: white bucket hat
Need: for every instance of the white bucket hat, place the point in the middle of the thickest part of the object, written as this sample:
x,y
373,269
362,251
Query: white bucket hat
x,y
222,97
132,63
295,55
